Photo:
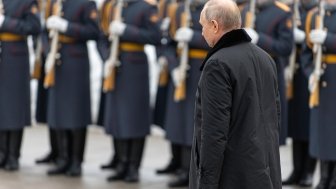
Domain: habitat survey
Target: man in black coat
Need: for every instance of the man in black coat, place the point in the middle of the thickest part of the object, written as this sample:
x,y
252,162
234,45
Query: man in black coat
x,y
237,114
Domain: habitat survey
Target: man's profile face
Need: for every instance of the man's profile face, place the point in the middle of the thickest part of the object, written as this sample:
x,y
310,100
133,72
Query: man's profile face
x,y
206,29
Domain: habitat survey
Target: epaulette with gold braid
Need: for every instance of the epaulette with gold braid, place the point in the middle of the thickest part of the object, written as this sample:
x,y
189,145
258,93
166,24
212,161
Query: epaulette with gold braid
x,y
151,2
308,25
283,6
47,9
172,8
162,8
106,16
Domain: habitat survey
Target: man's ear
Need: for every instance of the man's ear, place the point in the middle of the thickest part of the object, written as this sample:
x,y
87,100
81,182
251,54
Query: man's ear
x,y
214,26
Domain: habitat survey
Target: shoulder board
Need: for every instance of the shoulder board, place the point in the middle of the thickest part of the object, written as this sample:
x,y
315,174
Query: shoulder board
x,y
151,2
282,6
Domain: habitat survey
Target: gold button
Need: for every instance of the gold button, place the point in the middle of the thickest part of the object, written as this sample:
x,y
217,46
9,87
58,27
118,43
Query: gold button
x,y
324,84
297,66
57,56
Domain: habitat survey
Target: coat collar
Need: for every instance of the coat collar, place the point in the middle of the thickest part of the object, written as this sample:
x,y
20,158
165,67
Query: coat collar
x,y
229,39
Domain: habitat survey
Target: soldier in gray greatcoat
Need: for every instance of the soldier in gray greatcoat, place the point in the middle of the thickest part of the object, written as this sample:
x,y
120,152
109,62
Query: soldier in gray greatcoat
x,y
179,122
69,111
18,19
273,32
41,45
167,59
103,50
299,111
322,117
127,111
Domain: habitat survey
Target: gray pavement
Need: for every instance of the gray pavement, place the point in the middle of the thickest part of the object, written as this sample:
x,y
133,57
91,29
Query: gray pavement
x,y
98,151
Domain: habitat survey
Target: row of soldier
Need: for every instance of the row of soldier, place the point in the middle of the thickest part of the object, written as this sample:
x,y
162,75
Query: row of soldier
x,y
124,105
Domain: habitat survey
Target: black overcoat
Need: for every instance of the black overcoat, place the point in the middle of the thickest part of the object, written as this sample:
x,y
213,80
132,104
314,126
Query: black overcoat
x,y
236,144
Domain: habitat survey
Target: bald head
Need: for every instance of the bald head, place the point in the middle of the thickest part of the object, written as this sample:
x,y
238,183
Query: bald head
x,y
225,12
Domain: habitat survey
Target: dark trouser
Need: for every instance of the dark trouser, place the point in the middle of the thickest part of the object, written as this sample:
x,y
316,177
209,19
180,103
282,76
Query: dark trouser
x,y
130,155
71,146
332,182
52,155
183,175
10,147
175,162
303,165
327,169
115,159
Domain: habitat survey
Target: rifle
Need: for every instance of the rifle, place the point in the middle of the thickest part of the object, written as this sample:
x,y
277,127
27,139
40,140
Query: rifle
x,y
180,89
112,61
292,57
38,52
317,50
2,8
49,79
162,61
250,15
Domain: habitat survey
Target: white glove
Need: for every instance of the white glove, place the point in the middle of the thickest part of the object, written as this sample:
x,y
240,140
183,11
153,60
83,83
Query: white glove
x,y
48,64
312,80
107,69
2,19
57,23
165,24
184,34
288,74
178,76
299,35
317,36
108,65
162,61
253,34
117,28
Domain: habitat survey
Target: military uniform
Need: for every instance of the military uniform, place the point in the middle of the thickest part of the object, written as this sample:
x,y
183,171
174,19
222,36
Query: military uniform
x,y
103,50
165,53
179,122
167,58
20,20
299,118
274,26
322,127
127,111
42,92
69,111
